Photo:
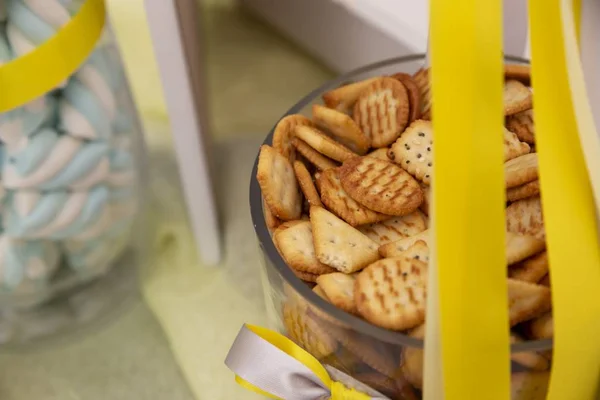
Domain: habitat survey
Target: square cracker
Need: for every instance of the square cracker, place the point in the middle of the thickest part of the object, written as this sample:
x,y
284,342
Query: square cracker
x,y
341,204
525,217
395,249
278,184
323,143
395,228
413,151
296,247
520,247
526,301
338,244
314,157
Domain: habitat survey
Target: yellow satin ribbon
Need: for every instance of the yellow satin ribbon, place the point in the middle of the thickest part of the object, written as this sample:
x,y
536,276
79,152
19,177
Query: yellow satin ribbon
x,y
38,72
337,389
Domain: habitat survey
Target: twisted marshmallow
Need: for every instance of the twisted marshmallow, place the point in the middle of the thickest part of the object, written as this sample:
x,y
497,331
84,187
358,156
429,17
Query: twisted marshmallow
x,y
57,214
49,161
95,256
122,169
25,265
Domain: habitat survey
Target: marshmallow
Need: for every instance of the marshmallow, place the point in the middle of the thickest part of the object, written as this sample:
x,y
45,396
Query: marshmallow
x,y
122,169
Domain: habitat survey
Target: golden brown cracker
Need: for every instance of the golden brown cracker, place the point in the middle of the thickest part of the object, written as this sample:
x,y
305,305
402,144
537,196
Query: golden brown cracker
x,y
529,385
519,72
414,94
314,157
545,281
271,220
306,184
517,97
391,293
381,186
395,228
307,332
525,191
284,132
426,198
531,270
344,97
278,184
526,301
296,247
382,111
339,289
305,276
412,362
521,170
338,244
323,143
342,127
525,217
421,78
519,247
513,147
413,151
418,251
395,249
380,154
542,327
341,204
522,125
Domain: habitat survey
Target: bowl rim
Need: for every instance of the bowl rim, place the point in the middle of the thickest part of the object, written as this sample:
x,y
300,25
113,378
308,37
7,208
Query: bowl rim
x,y
268,247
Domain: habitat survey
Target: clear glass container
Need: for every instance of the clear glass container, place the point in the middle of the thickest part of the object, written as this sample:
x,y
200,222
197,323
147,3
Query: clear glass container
x,y
71,187
389,361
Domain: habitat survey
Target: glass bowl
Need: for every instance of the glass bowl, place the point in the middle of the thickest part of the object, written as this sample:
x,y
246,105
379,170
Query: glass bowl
x,y
389,361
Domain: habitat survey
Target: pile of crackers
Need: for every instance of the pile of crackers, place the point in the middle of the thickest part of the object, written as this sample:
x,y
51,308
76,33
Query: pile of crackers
x,y
345,197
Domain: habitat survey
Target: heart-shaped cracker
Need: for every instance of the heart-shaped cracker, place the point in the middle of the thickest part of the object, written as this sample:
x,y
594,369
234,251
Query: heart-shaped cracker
x,y
397,248
339,289
531,270
414,94
528,359
323,143
382,111
517,97
283,134
526,301
314,157
525,217
344,97
306,184
529,189
413,151
277,181
391,293
520,247
341,204
381,186
529,385
338,244
307,332
519,72
513,147
296,247
542,327
421,78
521,170
412,362
522,125
342,127
395,228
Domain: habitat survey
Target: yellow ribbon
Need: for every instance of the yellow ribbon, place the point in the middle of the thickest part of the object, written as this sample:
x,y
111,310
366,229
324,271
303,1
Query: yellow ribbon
x,y
337,389
38,72
468,202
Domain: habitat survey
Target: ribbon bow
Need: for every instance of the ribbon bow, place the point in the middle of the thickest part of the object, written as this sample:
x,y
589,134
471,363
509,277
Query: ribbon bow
x,y
270,364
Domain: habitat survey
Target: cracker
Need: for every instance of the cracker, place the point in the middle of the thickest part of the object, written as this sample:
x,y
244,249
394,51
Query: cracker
x,y
382,111
513,147
528,359
314,157
414,94
271,220
412,361
525,191
342,127
344,97
339,289
526,301
418,251
296,247
305,276
395,228
284,132
426,198
531,270
545,281
338,244
517,97
380,154
519,72
542,327
421,78
381,186
521,170
341,204
278,184
307,332
323,143
522,125
306,184
395,249
413,151
529,385
520,247
391,293
525,217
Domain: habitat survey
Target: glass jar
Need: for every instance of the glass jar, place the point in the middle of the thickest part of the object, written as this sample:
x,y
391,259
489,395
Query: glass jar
x,y
70,183
388,361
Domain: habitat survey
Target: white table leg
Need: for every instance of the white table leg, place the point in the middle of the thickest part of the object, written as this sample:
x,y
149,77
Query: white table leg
x,y
189,135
